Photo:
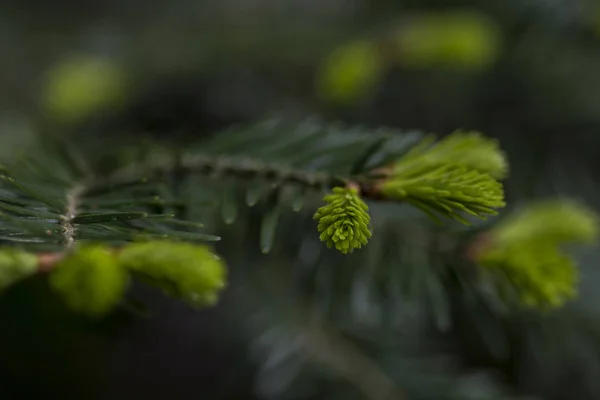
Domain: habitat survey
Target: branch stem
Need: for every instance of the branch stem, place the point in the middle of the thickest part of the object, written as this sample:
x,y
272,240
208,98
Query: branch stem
x,y
71,211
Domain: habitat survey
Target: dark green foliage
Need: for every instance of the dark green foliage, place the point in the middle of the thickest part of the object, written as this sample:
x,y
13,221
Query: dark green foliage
x,y
267,180
408,304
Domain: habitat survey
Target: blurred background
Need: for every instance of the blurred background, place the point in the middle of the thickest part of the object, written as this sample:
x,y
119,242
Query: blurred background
x,y
124,72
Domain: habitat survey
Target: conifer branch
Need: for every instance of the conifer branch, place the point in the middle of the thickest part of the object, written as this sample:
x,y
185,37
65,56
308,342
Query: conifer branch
x,y
350,364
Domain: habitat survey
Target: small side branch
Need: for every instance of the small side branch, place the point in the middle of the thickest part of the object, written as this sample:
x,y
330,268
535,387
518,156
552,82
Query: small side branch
x,y
350,364
241,168
250,168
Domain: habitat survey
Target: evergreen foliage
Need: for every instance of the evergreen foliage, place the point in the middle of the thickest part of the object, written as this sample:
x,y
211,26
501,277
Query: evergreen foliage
x,y
92,229
503,308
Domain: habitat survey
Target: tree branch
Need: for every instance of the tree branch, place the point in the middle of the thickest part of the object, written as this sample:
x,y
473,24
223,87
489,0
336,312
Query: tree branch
x,y
351,364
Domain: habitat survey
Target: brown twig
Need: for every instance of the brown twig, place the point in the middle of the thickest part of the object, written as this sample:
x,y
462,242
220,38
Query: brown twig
x,y
48,261
479,244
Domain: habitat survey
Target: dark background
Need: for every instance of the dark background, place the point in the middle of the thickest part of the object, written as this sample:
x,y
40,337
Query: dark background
x,y
194,67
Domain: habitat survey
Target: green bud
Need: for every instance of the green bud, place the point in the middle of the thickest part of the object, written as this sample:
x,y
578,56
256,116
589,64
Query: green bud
x,y
344,222
446,190
80,86
182,270
465,149
352,71
525,249
16,265
456,176
462,40
90,280
538,274
557,221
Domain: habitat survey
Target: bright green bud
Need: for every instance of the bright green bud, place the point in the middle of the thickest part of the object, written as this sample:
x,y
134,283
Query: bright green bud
x,y
16,265
182,270
525,249
464,40
538,274
80,86
446,190
465,149
455,176
90,281
557,221
344,221
352,71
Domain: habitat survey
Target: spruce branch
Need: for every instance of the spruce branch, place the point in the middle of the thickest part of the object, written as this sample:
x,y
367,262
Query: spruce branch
x,y
450,177
80,247
455,176
339,354
308,338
